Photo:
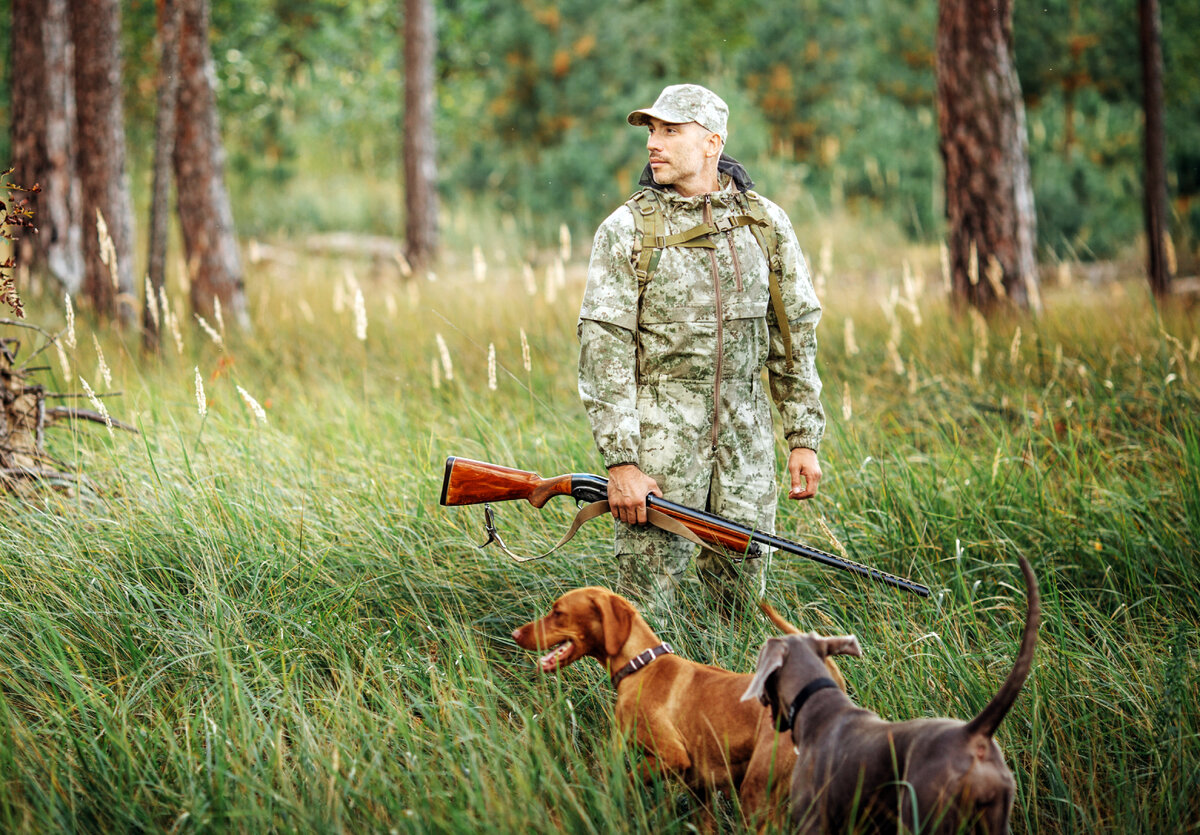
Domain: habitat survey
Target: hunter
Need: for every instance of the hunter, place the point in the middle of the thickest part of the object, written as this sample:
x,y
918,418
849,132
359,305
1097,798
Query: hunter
x,y
695,285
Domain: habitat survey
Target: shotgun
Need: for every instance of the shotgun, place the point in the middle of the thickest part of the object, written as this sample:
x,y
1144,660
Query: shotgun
x,y
476,482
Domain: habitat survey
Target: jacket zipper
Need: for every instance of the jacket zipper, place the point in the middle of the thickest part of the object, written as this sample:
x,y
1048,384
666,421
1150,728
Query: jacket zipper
x,y
712,257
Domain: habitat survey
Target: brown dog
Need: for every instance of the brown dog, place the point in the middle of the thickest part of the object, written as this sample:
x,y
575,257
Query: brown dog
x,y
856,770
687,718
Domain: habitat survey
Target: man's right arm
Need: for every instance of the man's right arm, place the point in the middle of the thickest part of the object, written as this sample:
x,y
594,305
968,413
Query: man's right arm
x,y
608,365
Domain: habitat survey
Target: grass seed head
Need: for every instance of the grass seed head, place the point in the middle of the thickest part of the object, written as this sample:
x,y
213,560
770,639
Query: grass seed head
x,y
101,365
255,407
151,304
444,352
69,337
201,400
360,315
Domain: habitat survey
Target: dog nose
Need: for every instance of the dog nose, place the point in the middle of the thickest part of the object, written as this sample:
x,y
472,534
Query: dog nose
x,y
516,633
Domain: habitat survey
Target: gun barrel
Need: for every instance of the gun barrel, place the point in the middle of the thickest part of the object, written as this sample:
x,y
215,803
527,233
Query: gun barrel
x,y
835,561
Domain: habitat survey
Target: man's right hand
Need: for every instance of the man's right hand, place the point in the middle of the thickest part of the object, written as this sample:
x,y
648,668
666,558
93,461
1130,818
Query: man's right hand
x,y
628,487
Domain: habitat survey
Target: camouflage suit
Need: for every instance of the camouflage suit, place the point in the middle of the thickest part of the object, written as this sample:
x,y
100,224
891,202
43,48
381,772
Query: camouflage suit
x,y
670,376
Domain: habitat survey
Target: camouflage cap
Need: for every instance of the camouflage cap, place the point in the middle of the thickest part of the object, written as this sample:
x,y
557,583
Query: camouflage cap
x,y
682,103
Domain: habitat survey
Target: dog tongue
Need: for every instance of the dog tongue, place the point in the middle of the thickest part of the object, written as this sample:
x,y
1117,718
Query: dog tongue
x,y
550,660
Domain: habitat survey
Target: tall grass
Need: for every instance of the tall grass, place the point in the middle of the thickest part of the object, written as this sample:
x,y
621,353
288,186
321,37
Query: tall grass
x,y
255,626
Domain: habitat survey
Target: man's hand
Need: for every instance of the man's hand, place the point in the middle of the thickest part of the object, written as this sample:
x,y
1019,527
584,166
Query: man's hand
x,y
805,470
628,487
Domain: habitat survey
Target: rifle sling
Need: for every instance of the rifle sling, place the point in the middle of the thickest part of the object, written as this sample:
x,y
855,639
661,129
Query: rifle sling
x,y
591,511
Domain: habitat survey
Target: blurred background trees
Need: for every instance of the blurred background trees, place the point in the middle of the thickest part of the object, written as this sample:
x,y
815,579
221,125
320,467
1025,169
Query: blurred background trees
x,y
833,110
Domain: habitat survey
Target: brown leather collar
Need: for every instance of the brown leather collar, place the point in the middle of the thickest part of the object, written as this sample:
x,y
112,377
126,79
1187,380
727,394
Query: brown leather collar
x,y
639,661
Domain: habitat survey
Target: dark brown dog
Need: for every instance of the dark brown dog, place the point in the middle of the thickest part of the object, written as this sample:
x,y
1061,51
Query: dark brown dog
x,y
856,770
687,718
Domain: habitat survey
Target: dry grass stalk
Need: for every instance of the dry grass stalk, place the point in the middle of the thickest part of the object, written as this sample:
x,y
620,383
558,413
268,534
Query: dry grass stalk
x,y
479,264
101,365
210,330
360,315
151,304
69,337
564,242
444,352
254,406
108,250
201,400
97,403
944,257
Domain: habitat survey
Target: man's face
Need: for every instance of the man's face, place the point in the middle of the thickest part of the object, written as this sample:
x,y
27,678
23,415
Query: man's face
x,y
680,154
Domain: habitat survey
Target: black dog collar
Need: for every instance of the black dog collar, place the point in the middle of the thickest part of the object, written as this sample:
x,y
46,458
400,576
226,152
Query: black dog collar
x,y
803,696
640,660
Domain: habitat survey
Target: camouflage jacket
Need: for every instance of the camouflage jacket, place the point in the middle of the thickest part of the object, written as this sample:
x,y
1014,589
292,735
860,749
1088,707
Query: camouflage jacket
x,y
684,327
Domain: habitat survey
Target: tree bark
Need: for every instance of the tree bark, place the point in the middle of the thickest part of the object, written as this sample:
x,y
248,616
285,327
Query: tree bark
x,y
984,147
420,149
1158,267
164,144
43,139
205,214
100,127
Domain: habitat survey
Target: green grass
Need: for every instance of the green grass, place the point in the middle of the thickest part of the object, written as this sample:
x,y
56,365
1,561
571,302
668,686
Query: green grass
x,y
252,627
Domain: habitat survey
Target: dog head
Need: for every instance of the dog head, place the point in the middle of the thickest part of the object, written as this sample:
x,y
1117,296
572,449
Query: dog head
x,y
586,621
787,665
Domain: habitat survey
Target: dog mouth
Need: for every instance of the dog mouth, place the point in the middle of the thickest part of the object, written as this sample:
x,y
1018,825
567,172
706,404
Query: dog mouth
x,y
556,658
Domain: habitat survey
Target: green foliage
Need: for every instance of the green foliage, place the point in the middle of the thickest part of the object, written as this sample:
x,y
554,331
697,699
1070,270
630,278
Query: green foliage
x,y
275,627
833,108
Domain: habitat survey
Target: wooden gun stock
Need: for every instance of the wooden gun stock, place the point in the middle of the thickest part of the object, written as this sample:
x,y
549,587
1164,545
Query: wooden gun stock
x,y
476,482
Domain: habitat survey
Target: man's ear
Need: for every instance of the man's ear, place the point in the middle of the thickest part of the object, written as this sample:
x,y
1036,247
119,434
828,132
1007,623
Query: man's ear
x,y
714,145
616,619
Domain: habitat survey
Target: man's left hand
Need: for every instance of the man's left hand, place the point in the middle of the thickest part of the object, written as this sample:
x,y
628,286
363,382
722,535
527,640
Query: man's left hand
x,y
805,470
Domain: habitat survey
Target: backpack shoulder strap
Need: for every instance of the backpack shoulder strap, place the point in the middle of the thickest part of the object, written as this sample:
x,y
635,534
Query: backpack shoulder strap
x,y
650,227
768,239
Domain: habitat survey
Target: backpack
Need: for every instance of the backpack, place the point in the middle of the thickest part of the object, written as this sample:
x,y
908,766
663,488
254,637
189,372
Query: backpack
x,y
652,239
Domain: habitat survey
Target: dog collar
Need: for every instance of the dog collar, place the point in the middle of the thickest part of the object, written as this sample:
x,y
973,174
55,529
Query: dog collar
x,y
803,696
639,661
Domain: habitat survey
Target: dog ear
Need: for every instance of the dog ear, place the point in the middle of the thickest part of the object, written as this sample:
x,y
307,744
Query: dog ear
x,y
616,619
837,645
770,658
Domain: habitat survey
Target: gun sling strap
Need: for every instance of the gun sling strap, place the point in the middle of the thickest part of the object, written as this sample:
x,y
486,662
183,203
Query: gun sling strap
x,y
586,514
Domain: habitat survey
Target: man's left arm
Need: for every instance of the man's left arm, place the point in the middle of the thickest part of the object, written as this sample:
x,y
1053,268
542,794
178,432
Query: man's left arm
x,y
797,393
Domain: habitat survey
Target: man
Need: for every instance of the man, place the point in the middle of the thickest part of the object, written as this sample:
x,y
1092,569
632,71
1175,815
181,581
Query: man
x,y
678,320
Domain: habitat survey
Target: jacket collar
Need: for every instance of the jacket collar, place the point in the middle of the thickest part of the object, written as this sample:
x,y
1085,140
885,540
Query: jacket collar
x,y
726,165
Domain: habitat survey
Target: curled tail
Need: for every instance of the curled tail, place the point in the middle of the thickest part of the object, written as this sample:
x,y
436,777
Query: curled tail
x,y
994,712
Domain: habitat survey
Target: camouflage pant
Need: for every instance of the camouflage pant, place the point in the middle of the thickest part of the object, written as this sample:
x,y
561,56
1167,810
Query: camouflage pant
x,y
735,480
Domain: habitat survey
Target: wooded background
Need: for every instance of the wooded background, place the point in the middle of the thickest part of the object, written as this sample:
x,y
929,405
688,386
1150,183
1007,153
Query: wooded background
x,y
833,104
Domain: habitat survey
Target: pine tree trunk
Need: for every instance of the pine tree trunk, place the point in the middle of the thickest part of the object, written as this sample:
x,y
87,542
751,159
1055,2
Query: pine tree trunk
x,y
420,149
164,144
100,128
43,139
1158,267
989,196
205,213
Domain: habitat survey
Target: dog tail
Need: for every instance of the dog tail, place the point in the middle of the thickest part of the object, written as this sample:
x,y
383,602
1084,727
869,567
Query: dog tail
x,y
777,618
994,712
